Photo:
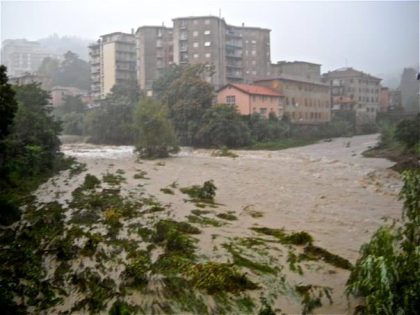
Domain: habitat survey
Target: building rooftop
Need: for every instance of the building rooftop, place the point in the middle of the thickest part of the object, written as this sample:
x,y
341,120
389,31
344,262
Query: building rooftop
x,y
253,89
350,72
221,19
288,77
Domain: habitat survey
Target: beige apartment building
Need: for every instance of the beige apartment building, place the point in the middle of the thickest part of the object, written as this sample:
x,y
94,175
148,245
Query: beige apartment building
x,y
356,91
306,98
112,61
305,101
154,53
238,53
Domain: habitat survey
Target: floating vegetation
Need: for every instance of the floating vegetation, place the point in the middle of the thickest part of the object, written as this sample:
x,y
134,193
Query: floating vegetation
x,y
204,220
112,179
205,193
77,168
140,175
224,152
227,216
167,191
252,212
120,171
200,212
294,238
218,277
135,274
312,296
122,308
160,163
241,261
312,252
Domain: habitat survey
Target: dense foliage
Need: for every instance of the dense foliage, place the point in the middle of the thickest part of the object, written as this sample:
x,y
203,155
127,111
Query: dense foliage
x,y
222,125
72,114
408,132
72,71
155,137
187,96
31,149
387,274
8,105
112,121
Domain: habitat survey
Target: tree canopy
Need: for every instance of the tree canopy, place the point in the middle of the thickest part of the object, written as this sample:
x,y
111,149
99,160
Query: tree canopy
x,y
155,137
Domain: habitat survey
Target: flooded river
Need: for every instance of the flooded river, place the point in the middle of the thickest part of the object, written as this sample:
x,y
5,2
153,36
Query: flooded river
x,y
327,189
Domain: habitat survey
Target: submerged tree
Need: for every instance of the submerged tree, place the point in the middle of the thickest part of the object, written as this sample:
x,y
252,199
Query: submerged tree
x,y
155,137
223,126
387,274
186,93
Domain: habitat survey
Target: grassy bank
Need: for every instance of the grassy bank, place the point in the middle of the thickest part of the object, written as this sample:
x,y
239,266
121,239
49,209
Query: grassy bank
x,y
281,144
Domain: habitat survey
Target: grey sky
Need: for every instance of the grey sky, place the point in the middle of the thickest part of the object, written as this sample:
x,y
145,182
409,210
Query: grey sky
x,y
376,37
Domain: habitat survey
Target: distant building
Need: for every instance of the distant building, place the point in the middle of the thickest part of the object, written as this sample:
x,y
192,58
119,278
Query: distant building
x,y
384,99
395,100
251,99
112,61
21,56
238,53
154,53
29,78
409,88
58,94
305,101
299,69
355,91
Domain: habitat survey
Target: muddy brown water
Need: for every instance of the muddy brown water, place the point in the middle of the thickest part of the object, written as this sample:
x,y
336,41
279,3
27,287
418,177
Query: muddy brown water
x,y
327,189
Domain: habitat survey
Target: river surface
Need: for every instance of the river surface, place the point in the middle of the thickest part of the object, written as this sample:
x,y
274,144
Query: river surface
x,y
327,189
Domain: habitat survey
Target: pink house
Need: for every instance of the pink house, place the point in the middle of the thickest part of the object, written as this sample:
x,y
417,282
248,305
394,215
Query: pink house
x,y
251,99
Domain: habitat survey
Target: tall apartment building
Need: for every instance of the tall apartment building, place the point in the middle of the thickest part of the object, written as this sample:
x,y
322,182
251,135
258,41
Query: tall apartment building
x,y
238,54
21,56
154,53
112,61
354,90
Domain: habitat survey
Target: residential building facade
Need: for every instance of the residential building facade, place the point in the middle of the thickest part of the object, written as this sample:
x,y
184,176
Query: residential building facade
x,y
305,101
59,93
237,54
250,99
299,69
409,87
154,53
384,100
21,56
355,91
112,61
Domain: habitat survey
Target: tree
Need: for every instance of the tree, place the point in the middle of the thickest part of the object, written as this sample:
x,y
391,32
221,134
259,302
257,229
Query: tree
x,y
155,137
8,104
187,96
387,274
112,121
223,126
408,132
74,72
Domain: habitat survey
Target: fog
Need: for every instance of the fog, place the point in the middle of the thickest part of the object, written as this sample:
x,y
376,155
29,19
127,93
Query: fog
x,y
378,37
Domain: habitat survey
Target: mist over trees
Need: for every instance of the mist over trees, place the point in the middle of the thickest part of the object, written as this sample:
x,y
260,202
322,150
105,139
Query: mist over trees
x,y
61,44
71,71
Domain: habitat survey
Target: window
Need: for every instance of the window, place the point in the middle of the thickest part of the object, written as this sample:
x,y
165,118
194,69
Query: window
x,y
195,33
208,55
263,110
254,52
207,22
230,100
254,62
207,32
195,44
195,22
207,44
195,56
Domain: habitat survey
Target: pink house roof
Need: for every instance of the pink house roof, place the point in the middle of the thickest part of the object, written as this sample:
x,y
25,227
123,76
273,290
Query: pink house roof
x,y
253,89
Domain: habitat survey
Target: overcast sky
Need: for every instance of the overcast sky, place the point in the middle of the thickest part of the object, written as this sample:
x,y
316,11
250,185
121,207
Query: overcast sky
x,y
378,37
